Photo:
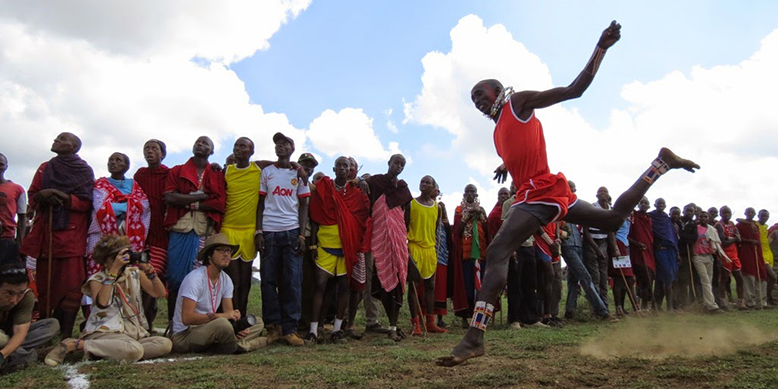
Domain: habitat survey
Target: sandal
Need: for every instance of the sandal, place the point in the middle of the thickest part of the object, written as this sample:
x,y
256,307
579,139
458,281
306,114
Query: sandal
x,y
57,355
393,335
338,337
352,333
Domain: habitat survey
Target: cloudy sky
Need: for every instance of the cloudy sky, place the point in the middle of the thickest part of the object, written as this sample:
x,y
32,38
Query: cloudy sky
x,y
372,78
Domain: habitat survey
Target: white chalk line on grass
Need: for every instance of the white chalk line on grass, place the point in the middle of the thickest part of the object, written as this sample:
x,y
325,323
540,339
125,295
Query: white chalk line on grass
x,y
78,380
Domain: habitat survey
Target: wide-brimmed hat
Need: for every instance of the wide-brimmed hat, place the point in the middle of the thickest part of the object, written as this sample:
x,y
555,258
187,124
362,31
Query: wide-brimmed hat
x,y
212,242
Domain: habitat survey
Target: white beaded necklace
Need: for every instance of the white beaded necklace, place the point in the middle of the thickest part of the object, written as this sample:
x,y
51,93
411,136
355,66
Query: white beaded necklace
x,y
502,98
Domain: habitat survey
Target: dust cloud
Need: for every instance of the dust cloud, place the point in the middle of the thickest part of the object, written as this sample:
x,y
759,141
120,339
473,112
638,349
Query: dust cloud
x,y
661,338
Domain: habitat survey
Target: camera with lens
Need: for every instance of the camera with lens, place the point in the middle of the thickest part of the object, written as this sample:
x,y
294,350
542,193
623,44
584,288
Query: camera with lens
x,y
243,323
137,257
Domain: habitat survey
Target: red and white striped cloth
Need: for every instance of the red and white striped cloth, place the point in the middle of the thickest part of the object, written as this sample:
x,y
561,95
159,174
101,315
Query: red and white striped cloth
x,y
389,245
477,276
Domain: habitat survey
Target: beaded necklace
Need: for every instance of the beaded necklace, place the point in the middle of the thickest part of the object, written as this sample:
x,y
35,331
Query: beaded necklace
x,y
502,98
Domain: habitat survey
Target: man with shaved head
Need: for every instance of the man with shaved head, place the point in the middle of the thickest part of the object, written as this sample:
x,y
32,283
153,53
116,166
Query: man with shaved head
x,y
195,196
750,254
389,196
543,197
339,212
152,178
730,237
665,238
61,195
767,254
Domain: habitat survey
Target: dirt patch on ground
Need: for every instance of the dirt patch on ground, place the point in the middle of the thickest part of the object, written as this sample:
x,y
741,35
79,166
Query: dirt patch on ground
x,y
676,338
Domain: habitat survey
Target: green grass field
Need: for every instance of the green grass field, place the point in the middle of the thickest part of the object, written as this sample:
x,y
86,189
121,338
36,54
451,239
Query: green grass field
x,y
734,350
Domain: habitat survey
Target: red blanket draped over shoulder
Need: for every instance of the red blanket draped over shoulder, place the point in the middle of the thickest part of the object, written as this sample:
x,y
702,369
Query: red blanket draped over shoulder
x,y
751,254
153,181
183,179
641,230
349,209
494,221
459,294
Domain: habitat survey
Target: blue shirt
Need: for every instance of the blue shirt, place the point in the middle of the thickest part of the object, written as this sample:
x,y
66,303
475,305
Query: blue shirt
x,y
124,186
622,233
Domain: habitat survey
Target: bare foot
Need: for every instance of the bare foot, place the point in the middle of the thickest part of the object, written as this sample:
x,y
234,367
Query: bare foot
x,y
674,162
462,352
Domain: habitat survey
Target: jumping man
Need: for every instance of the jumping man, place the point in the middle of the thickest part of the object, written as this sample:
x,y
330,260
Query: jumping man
x,y
542,197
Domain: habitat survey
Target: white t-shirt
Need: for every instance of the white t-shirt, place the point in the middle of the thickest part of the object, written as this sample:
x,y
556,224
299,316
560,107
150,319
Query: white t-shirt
x,y
198,287
283,191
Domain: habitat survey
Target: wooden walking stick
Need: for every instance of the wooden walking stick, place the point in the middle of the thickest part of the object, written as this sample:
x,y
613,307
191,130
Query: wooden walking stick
x,y
629,291
758,281
48,275
418,309
691,272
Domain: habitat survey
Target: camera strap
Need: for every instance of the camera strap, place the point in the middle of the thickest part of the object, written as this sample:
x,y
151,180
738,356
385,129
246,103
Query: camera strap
x,y
136,311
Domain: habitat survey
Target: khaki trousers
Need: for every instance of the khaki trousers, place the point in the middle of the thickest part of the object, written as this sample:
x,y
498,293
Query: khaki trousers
x,y
110,345
704,266
217,336
755,291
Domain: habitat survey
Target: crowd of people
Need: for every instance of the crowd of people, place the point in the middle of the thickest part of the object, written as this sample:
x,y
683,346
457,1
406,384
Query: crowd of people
x,y
111,247
115,245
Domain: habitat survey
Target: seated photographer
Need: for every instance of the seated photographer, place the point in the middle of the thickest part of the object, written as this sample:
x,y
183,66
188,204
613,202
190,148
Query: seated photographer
x,y
197,324
18,335
116,327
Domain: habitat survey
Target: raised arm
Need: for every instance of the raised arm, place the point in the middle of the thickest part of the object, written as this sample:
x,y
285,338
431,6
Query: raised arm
x,y
527,101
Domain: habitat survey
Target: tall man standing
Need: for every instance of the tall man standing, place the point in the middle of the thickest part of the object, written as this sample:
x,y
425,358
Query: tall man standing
x,y
13,202
730,237
572,251
339,212
61,195
520,143
240,218
767,254
195,197
13,211
596,249
665,253
282,214
152,179
388,198
641,252
421,219
750,254
687,291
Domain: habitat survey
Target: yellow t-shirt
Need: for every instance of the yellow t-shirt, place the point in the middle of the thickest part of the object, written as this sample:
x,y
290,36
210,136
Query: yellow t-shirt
x,y
421,237
767,253
240,215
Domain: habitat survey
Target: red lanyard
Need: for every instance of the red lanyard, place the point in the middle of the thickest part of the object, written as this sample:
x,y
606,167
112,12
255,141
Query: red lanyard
x,y
213,291
121,294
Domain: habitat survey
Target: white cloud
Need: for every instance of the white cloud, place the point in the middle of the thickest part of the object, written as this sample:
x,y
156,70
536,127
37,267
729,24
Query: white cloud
x,y
223,31
722,117
118,73
348,132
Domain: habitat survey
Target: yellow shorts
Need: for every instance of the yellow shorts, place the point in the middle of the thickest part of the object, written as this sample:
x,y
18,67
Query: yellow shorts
x,y
426,259
243,237
332,264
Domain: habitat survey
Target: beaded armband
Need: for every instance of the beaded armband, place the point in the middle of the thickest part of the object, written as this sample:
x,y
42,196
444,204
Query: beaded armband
x,y
481,315
657,168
